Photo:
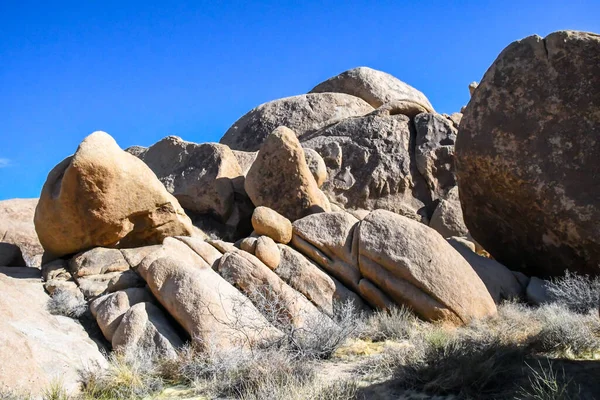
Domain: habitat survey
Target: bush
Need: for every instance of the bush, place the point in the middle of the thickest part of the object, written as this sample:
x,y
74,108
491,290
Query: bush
x,y
546,383
398,323
579,293
66,303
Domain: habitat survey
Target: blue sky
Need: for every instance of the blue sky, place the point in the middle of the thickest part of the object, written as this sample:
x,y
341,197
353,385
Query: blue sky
x,y
144,70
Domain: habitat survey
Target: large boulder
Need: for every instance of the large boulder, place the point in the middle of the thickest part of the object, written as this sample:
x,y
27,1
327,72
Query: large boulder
x,y
280,178
38,349
200,176
103,196
370,163
416,267
19,244
327,239
302,114
527,156
213,312
373,86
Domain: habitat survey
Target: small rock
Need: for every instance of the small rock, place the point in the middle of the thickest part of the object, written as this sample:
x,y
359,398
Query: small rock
x,y
266,251
268,222
98,261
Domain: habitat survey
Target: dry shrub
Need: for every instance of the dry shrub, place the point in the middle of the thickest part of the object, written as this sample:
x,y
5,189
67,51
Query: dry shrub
x,y
65,303
579,293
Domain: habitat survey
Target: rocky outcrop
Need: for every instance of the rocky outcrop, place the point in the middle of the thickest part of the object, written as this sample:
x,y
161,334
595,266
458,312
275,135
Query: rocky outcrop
x,y
19,244
98,261
302,114
375,87
103,196
211,310
527,156
371,164
415,266
280,178
38,349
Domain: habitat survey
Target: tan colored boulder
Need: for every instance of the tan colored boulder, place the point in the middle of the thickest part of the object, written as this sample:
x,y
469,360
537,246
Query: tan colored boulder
x,y
248,244
323,290
144,327
134,256
501,283
245,159
326,239
98,261
208,252
38,349
104,197
266,251
222,246
280,178
303,114
414,266
273,297
374,296
19,244
316,165
373,86
268,222
212,311
447,219
109,309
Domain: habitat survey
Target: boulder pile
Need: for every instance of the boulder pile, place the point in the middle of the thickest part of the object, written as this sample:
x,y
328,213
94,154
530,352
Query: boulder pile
x,y
351,194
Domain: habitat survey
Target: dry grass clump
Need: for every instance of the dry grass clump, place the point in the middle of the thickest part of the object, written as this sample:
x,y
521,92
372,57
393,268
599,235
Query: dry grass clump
x,y
579,293
64,302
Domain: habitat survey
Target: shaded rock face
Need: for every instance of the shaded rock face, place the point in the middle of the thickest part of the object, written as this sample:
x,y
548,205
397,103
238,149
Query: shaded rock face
x,y
434,152
280,178
200,176
373,86
19,244
447,219
370,164
103,196
37,348
527,156
302,114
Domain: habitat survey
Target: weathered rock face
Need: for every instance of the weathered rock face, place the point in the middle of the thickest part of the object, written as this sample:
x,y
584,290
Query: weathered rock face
x,y
327,239
269,292
527,156
415,266
447,219
211,310
280,178
370,163
98,261
434,152
302,114
37,348
200,176
19,244
103,196
316,165
373,86
266,251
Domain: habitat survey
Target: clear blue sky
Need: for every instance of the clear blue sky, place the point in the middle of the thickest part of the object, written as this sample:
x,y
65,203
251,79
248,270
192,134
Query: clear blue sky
x,y
141,70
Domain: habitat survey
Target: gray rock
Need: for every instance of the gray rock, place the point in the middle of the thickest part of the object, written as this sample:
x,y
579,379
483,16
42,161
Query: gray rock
x,y
373,86
447,219
370,164
97,261
434,152
537,291
316,165
527,156
302,114
19,244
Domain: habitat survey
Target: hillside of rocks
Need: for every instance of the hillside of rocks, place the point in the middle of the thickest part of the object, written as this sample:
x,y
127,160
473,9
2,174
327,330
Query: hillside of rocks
x,y
356,192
